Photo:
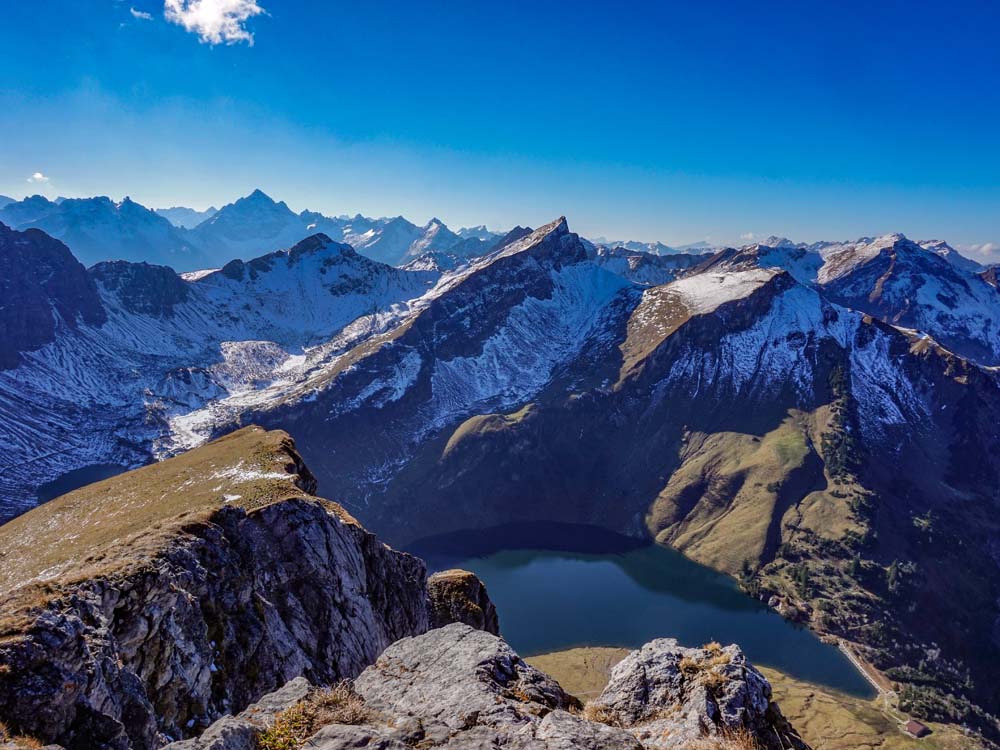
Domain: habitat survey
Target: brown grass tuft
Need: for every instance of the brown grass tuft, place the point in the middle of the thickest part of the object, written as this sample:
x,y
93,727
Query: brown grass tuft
x,y
293,726
713,682
690,666
24,742
727,739
340,705
601,715
719,659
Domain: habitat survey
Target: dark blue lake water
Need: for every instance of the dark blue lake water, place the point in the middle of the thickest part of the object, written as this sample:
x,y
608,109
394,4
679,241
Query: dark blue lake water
x,y
598,589
77,478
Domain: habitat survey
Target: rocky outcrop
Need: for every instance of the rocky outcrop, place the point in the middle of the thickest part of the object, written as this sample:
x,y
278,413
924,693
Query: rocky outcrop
x,y
142,288
42,286
456,687
240,732
667,696
140,610
459,596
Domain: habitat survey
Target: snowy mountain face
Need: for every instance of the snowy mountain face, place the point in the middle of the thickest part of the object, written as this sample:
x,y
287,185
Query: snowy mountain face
x,y
186,218
736,407
254,225
322,329
645,268
650,248
147,346
917,287
98,229
435,237
479,233
927,286
950,254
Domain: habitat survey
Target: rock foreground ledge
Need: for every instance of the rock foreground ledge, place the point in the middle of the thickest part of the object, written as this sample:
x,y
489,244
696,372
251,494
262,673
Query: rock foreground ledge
x,y
457,688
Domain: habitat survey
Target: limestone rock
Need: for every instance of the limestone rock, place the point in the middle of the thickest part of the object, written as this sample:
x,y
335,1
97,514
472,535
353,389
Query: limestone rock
x,y
667,695
456,688
468,689
459,596
240,732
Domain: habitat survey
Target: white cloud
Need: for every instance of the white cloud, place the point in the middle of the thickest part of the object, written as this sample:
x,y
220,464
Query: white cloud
x,y
38,177
747,236
986,251
141,14
214,21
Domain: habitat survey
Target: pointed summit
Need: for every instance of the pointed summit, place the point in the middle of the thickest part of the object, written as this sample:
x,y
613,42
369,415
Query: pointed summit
x,y
259,195
553,240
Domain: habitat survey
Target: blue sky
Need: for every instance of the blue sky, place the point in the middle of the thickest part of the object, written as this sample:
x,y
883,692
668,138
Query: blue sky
x,y
659,120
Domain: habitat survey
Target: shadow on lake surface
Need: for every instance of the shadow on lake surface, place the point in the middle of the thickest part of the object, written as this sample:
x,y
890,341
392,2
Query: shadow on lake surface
x,y
558,586
74,480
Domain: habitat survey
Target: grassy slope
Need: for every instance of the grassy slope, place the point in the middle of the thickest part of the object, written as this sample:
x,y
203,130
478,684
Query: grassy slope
x,y
110,524
737,497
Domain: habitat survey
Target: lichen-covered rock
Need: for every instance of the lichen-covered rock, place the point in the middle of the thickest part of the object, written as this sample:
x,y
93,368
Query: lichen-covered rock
x,y
460,676
459,596
460,688
667,695
456,688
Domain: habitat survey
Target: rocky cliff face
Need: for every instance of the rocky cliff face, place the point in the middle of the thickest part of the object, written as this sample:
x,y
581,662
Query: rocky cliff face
x,y
42,287
141,609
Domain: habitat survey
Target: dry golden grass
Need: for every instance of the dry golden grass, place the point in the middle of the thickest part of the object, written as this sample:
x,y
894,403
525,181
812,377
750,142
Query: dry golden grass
x,y
483,424
98,527
727,739
340,705
713,682
601,715
690,667
834,721
582,672
293,726
661,312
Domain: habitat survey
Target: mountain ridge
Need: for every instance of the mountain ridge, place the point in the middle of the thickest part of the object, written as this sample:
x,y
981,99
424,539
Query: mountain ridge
x,y
740,412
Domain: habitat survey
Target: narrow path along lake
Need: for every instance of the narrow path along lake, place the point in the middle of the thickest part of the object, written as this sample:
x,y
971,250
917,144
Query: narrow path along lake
x,y
558,586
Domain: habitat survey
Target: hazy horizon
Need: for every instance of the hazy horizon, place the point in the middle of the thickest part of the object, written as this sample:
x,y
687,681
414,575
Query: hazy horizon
x,y
655,122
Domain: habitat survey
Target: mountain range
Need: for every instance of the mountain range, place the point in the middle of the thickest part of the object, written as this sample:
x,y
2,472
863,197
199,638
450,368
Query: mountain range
x,y
99,229
819,421
187,218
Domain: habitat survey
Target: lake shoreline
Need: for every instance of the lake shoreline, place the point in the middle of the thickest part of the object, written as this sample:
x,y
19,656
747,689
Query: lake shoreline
x,y
560,586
